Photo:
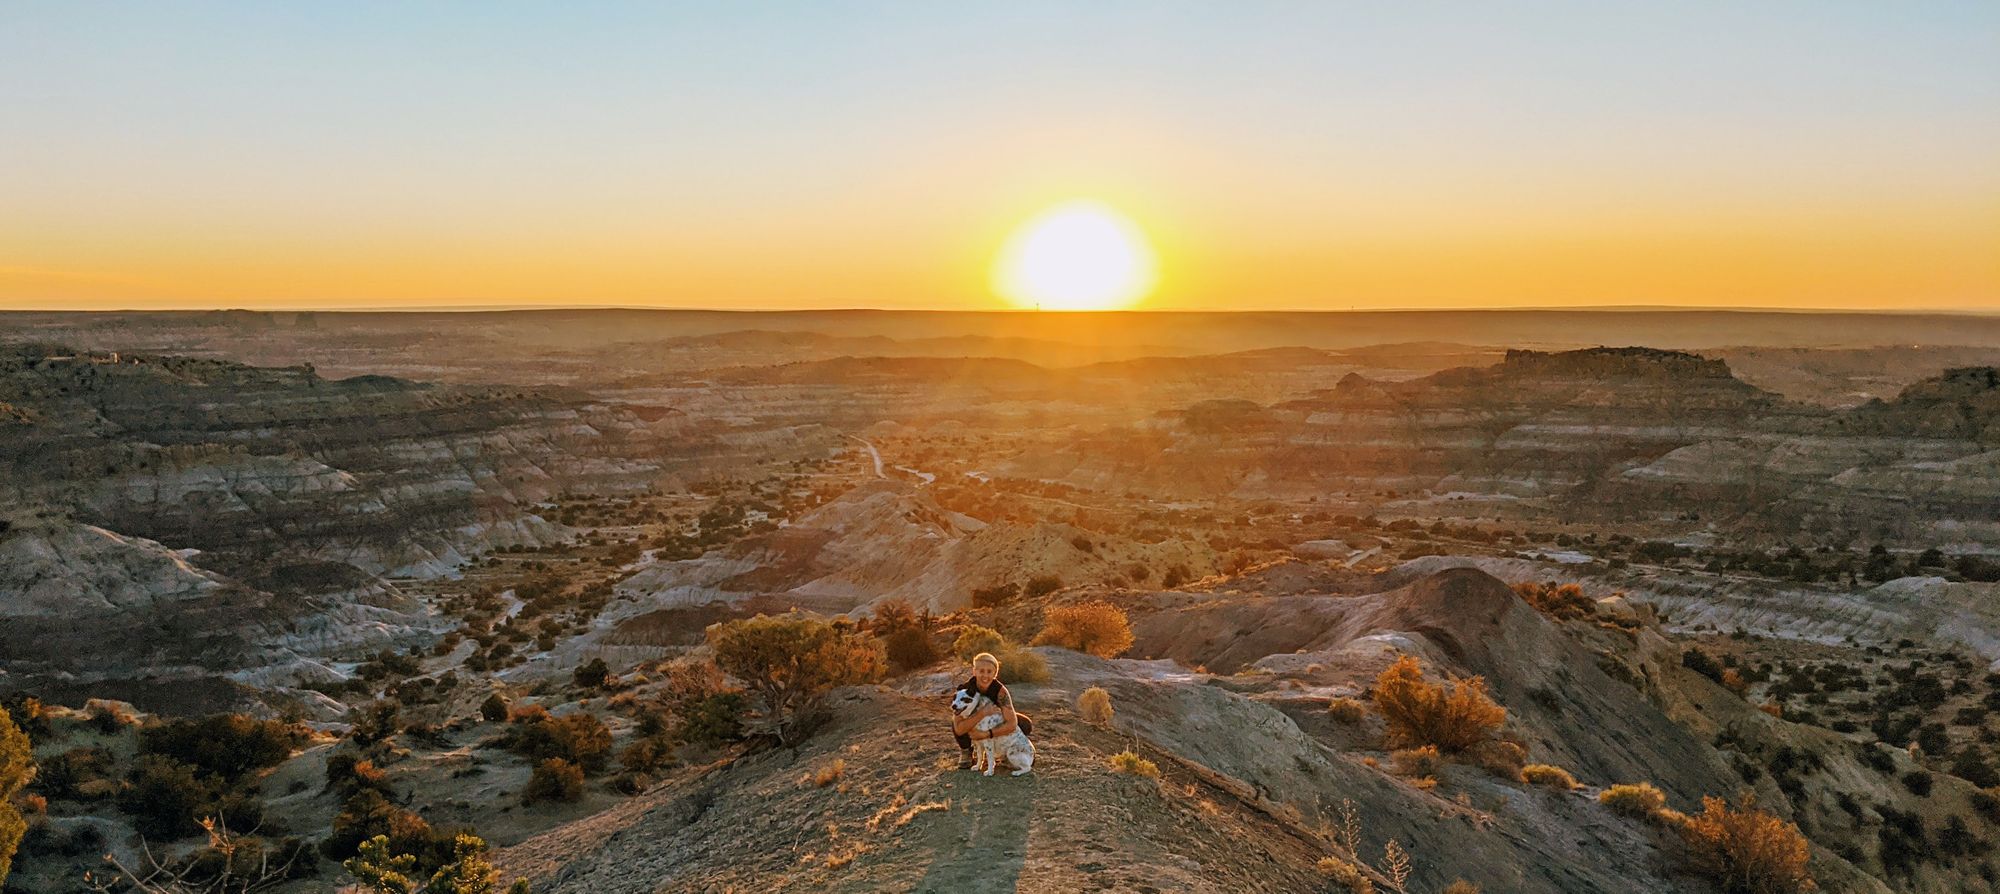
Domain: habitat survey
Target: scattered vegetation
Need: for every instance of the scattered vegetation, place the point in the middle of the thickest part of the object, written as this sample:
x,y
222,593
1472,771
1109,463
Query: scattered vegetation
x,y
1453,717
1346,710
1548,776
1636,799
553,779
1559,601
1094,705
1417,763
378,869
17,766
790,661
1745,850
1129,762
1097,628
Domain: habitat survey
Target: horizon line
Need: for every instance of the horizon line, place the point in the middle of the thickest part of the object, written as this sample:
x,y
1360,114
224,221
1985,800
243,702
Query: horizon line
x,y
539,308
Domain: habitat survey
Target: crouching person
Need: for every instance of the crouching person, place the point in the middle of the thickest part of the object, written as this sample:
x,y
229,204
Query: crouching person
x,y
986,681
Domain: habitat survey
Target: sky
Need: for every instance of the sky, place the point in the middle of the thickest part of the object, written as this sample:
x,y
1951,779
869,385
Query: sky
x,y
1330,155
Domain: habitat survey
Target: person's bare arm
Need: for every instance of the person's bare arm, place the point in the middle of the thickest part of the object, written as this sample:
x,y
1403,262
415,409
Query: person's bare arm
x,y
1007,725
964,726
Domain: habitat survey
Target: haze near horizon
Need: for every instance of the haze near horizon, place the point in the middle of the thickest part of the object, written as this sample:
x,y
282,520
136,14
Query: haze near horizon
x,y
886,155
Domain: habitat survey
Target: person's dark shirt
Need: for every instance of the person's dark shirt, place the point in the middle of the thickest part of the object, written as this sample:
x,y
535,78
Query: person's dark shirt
x,y
997,693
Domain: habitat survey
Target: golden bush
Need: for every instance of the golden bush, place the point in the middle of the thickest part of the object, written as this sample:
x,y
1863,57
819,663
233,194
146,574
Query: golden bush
x,y
1417,762
1560,601
1638,799
1130,762
1345,874
1347,710
1094,705
1454,717
1501,758
1745,850
1098,628
1547,775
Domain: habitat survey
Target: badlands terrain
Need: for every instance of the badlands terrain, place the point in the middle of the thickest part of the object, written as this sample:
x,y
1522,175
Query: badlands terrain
x,y
328,576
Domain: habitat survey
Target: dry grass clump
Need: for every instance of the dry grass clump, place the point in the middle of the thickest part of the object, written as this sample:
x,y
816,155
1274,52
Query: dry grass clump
x,y
1773,708
1454,717
1022,666
554,779
1098,628
1745,850
974,639
1417,762
1638,799
1346,710
1461,887
1129,762
1094,705
1345,874
830,773
1560,601
1547,775
1501,758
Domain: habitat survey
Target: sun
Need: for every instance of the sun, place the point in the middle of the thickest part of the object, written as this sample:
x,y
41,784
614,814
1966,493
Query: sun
x,y
1079,255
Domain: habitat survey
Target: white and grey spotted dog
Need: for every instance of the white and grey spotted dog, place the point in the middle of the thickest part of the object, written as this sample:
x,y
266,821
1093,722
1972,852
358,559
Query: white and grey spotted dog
x,y
1014,747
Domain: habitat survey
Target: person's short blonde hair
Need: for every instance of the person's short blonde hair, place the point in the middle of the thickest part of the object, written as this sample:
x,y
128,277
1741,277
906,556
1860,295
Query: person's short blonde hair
x,y
986,656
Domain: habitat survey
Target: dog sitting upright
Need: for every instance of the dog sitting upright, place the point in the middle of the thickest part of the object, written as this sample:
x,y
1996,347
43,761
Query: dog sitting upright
x,y
1015,747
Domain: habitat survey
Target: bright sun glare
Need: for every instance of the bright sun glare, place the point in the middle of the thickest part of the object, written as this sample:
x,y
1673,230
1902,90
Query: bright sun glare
x,y
1079,255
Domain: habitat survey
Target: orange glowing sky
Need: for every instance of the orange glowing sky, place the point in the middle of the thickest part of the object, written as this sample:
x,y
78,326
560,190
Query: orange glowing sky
x,y
1334,156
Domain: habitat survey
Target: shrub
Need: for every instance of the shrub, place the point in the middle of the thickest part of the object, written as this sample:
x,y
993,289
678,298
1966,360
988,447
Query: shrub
x,y
1698,660
1639,799
226,745
554,779
910,648
714,720
1417,762
994,596
379,869
1094,705
369,814
1559,601
165,797
1987,804
1453,718
17,766
1129,762
1041,585
831,773
1501,758
646,755
107,717
67,775
1550,776
791,661
578,738
1098,628
1345,874
1022,666
1918,782
892,615
592,674
493,709
348,773
974,639
1745,850
1346,710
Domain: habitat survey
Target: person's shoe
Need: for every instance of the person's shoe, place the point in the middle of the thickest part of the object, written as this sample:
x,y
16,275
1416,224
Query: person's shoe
x,y
965,760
